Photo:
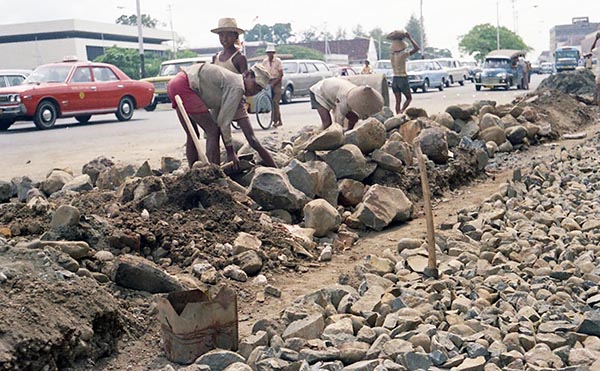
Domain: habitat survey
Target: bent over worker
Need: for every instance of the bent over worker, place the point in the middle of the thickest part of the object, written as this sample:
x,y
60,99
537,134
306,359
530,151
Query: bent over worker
x,y
345,99
204,86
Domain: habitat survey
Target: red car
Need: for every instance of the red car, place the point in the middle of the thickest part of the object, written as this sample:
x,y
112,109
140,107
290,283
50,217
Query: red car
x,y
79,89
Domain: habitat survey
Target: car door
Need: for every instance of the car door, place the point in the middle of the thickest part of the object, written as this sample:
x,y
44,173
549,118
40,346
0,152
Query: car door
x,y
108,87
314,76
82,95
437,73
302,81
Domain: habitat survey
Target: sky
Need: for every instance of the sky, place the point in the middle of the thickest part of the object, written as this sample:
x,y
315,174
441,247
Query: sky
x,y
444,20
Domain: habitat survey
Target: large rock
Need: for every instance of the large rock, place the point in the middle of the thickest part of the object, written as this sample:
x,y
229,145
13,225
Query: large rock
x,y
65,216
302,177
81,183
433,144
461,112
308,328
95,167
368,135
169,164
470,130
6,191
395,122
272,190
348,162
516,134
383,205
444,119
20,187
508,121
326,181
111,178
249,262
493,134
55,181
489,120
401,150
327,140
350,192
137,273
322,217
412,129
386,161
219,359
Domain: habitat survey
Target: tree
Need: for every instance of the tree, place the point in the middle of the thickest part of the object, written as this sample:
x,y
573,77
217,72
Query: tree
x,y
413,27
309,35
128,60
282,32
299,52
147,21
340,34
358,31
260,32
482,39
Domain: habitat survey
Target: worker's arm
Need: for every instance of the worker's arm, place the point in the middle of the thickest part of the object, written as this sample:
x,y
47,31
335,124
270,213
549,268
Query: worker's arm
x,y
415,46
230,102
240,62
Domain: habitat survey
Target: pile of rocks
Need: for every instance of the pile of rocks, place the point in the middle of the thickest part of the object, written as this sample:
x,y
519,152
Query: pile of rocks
x,y
579,83
518,290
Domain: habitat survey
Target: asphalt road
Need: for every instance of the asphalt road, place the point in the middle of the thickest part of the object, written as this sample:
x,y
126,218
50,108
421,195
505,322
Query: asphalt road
x,y
150,135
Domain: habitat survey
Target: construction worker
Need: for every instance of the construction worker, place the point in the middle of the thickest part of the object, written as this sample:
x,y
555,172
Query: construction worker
x,y
347,100
203,87
275,68
399,55
367,70
230,57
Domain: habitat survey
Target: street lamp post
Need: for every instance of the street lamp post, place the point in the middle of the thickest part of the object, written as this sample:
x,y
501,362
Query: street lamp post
x,y
140,38
170,9
498,24
422,34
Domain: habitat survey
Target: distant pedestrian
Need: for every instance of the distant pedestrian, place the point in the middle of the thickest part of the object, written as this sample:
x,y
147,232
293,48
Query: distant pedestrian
x,y
400,53
596,48
275,67
588,62
367,70
345,99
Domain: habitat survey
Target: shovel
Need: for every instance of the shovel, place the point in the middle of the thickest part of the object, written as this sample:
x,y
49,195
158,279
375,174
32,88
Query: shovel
x,y
201,156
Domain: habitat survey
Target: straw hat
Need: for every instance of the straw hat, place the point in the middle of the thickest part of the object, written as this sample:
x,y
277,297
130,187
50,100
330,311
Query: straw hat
x,y
365,101
261,75
270,48
396,35
227,25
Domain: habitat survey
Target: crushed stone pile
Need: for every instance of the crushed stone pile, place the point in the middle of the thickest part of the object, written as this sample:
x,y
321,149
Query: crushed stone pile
x,y
580,82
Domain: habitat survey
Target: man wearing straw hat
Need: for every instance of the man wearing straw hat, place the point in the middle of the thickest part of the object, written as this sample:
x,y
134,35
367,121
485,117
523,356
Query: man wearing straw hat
x,y
275,68
399,55
346,100
205,86
230,57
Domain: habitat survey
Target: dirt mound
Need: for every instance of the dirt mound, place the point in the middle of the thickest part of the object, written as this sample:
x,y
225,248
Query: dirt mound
x,y
579,82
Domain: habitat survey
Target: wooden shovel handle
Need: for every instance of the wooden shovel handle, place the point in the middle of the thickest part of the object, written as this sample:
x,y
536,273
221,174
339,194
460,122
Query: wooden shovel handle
x,y
201,156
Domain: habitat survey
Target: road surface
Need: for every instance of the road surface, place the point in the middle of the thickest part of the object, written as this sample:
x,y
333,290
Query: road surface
x,y
152,135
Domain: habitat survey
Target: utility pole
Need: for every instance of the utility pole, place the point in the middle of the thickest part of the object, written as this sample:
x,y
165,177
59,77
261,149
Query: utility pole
x,y
497,24
140,38
170,9
422,33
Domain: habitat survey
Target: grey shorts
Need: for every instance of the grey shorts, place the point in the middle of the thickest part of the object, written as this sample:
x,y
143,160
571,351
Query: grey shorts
x,y
400,85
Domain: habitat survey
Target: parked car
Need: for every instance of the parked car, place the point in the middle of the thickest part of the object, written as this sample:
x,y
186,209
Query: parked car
x,y
473,68
547,68
500,70
342,70
13,77
384,66
299,75
456,71
424,74
73,89
168,70
536,68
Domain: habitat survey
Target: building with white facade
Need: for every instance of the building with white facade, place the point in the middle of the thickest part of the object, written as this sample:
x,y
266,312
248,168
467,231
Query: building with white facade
x,y
28,45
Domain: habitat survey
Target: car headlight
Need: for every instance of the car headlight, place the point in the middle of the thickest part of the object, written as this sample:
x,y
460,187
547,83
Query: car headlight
x,y
14,98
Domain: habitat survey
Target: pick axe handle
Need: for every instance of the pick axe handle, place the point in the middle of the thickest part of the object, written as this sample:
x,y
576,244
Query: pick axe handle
x,y
432,259
201,156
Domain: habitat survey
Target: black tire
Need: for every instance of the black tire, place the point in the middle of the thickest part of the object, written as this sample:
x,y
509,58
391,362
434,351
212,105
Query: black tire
x,y
414,90
264,111
425,86
441,87
287,95
508,85
462,82
45,115
478,87
125,109
83,119
449,82
151,107
5,124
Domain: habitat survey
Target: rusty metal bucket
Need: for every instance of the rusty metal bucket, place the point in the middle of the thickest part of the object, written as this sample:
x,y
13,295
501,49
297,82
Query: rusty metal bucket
x,y
193,323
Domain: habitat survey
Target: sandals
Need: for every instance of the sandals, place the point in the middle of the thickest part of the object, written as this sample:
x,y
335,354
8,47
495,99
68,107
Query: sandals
x,y
277,124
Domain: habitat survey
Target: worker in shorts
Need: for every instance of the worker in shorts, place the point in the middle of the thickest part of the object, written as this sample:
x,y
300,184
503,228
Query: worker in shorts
x,y
399,54
203,87
345,99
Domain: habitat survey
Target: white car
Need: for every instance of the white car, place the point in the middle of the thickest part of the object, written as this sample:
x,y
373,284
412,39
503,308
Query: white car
x,y
384,66
456,71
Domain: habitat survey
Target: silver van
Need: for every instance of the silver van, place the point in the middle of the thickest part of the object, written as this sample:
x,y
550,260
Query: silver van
x,y
299,75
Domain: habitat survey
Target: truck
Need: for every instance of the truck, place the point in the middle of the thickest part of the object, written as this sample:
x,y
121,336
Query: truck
x,y
566,58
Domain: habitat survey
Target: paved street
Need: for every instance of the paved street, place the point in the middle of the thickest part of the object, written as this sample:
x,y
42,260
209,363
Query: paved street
x,y
151,135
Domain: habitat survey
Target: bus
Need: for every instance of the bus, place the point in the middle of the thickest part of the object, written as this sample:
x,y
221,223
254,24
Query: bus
x,y
566,58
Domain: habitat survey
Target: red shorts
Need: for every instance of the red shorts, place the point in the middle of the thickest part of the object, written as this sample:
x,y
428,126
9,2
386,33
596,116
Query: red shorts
x,y
180,85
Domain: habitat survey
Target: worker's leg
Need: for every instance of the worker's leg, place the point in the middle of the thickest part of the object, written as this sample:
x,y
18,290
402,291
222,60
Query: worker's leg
x,y
352,119
322,111
246,127
405,89
276,110
397,90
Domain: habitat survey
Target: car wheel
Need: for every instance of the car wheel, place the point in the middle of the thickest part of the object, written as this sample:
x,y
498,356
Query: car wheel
x,y
478,87
449,82
441,87
414,90
288,95
151,107
45,115
462,82
83,119
125,109
425,86
5,124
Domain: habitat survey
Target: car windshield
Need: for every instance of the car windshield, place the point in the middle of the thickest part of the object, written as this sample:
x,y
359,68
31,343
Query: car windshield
x,y
444,63
172,69
497,63
290,67
567,54
416,66
48,74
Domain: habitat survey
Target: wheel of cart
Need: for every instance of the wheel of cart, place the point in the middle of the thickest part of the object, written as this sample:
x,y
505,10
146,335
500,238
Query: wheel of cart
x,y
262,105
